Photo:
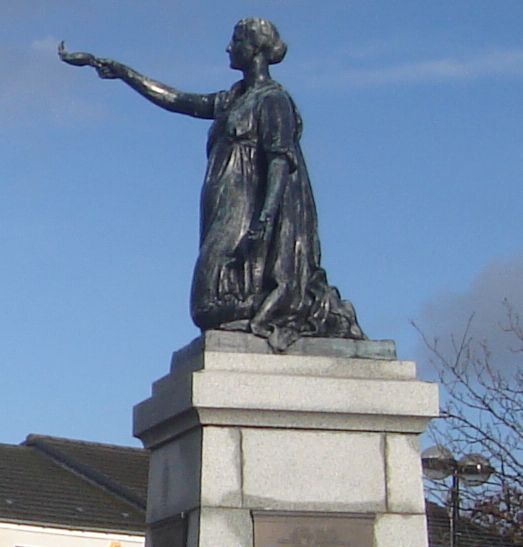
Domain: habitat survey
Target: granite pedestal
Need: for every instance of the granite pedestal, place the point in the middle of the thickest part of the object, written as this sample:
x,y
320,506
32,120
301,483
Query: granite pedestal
x,y
317,447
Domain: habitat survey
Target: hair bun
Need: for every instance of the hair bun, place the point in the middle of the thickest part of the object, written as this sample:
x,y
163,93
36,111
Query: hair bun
x,y
265,35
277,53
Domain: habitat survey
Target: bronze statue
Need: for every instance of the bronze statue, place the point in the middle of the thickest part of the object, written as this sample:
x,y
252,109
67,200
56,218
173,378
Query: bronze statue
x,y
258,268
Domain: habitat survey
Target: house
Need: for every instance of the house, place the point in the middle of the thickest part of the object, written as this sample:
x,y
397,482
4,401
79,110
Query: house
x,y
59,492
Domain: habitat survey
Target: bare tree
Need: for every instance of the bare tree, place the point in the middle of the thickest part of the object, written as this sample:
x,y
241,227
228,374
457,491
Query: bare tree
x,y
482,412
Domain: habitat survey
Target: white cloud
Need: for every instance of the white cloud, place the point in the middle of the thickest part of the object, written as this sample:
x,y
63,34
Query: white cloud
x,y
47,44
448,313
447,69
37,87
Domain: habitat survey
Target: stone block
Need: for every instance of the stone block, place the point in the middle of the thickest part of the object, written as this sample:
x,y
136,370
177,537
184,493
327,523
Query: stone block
x,y
216,340
221,467
313,471
307,365
393,530
171,532
174,477
205,466
218,527
282,393
404,483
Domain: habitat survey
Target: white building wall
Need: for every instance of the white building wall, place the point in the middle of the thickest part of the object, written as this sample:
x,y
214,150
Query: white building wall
x,y
16,535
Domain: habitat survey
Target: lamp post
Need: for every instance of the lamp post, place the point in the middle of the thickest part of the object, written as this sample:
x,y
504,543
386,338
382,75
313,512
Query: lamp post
x,y
472,469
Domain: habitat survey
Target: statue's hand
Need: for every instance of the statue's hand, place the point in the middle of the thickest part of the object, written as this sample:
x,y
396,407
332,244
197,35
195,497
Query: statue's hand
x,y
261,230
107,69
79,58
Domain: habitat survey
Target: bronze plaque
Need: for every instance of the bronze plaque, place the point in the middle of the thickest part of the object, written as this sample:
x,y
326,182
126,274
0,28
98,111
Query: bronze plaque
x,y
279,529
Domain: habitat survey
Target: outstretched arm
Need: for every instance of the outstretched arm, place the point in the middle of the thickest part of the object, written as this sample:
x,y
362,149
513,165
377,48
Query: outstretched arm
x,y
192,104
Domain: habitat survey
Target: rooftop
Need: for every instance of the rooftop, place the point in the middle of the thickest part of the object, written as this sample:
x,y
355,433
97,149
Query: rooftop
x,y
73,484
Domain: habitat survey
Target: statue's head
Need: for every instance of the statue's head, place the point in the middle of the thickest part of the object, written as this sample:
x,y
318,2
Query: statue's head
x,y
255,35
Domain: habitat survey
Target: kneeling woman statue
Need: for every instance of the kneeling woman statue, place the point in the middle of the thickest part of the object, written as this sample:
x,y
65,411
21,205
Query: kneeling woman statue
x,y
258,268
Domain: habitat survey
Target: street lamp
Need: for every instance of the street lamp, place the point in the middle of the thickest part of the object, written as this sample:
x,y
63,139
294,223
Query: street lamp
x,y
472,469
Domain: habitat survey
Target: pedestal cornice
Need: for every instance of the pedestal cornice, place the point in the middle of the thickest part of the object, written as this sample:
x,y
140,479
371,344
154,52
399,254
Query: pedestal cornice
x,y
210,384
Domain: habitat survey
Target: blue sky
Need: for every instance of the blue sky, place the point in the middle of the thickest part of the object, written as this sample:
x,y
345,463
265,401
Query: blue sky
x,y
413,113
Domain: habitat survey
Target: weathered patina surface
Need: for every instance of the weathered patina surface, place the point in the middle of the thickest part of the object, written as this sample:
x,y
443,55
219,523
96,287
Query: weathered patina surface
x,y
258,268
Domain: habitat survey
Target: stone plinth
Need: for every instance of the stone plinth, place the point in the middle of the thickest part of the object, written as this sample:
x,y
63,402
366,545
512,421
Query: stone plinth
x,y
328,430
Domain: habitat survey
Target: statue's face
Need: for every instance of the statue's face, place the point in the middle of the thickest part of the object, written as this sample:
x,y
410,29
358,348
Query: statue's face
x,y
240,49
